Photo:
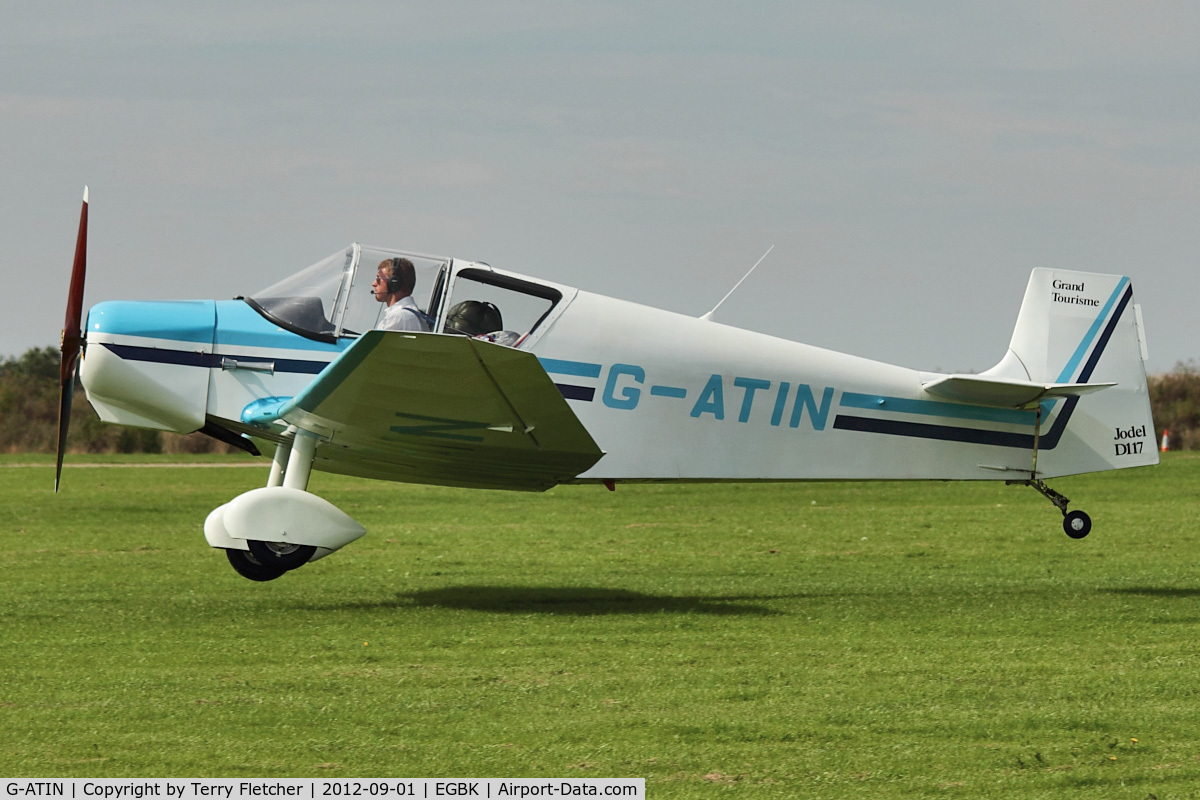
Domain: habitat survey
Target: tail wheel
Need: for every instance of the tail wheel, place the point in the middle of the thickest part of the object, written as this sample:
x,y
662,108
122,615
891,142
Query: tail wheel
x,y
280,554
1077,524
246,565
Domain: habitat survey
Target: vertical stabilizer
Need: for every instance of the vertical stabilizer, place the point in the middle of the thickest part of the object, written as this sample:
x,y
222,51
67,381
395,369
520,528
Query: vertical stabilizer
x,y
1083,327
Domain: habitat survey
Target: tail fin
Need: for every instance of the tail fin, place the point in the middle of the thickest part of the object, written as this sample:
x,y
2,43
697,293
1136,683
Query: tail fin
x,y
1084,328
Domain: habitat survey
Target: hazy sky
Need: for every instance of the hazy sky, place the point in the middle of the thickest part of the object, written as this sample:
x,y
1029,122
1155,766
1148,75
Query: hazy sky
x,y
910,162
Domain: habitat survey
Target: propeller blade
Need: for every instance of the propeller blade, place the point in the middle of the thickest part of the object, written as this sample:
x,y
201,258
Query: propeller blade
x,y
66,390
72,339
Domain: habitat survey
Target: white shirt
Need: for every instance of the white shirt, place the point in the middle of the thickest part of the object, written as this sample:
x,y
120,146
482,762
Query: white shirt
x,y
403,315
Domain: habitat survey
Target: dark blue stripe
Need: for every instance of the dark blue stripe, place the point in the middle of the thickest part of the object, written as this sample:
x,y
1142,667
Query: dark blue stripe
x,y
156,355
1023,441
1065,375
1088,368
923,430
576,392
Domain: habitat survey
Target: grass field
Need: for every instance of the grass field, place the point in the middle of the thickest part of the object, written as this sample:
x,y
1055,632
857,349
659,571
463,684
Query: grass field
x,y
805,640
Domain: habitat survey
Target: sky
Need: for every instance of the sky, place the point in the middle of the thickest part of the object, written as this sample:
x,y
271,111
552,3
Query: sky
x,y
909,163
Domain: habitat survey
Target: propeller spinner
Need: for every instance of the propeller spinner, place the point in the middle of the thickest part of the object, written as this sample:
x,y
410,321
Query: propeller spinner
x,y
72,338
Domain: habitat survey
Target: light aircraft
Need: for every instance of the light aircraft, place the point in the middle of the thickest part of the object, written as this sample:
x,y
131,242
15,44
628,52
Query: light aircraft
x,y
586,389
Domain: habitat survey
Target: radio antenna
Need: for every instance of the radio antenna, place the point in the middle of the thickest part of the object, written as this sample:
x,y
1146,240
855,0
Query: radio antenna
x,y
709,315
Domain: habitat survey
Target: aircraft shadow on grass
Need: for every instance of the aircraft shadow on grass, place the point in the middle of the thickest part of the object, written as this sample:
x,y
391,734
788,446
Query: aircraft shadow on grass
x,y
1165,593
575,601
1156,591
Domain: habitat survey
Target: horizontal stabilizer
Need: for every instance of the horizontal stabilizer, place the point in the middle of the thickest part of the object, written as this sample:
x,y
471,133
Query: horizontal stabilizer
x,y
1005,392
431,408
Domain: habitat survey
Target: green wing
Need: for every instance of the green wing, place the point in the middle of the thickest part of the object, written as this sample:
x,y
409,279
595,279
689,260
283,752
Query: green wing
x,y
429,408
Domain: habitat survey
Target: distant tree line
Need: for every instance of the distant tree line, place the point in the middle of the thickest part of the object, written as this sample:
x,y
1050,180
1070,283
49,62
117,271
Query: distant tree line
x,y
29,416
1175,401
29,413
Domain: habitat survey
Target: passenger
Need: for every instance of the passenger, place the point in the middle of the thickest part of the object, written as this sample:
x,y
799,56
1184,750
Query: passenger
x,y
473,318
393,286
480,320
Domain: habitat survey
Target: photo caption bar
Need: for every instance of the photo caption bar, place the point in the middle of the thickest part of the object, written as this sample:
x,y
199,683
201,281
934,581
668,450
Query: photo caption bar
x,y
320,788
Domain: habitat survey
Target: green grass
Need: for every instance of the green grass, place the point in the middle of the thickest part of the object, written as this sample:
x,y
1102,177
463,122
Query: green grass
x,y
776,640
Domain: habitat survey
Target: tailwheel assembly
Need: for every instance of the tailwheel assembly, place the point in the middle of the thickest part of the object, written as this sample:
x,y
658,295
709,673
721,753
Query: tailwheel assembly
x,y
1077,524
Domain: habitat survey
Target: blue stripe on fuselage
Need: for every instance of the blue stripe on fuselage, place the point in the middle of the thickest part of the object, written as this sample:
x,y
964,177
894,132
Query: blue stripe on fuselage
x,y
239,325
576,369
936,408
189,321
224,323
224,326
1048,440
579,369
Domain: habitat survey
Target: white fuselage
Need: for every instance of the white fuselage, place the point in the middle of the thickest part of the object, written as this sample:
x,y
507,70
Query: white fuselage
x,y
664,396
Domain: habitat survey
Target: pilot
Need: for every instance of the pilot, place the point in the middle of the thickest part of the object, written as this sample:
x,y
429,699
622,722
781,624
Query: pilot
x,y
393,286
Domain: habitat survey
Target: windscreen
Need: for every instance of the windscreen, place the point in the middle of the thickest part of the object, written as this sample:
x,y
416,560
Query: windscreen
x,y
305,302
334,297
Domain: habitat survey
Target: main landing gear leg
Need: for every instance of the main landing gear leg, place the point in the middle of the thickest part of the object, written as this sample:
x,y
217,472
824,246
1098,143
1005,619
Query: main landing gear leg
x,y
283,451
299,458
280,527
1076,524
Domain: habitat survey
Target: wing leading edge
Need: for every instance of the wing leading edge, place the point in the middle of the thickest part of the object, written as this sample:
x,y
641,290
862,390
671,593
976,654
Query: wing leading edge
x,y
430,408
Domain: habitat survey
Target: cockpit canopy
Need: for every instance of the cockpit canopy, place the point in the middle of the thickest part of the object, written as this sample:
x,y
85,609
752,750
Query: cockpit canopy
x,y
333,299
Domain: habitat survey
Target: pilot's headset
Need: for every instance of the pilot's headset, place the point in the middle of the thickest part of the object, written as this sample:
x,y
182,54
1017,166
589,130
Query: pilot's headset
x,y
394,281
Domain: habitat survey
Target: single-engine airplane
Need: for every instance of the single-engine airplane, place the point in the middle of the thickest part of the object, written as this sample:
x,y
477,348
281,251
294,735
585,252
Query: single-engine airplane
x,y
557,385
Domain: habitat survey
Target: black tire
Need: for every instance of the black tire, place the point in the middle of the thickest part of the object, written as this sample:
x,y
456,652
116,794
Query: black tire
x,y
280,555
246,565
1077,524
